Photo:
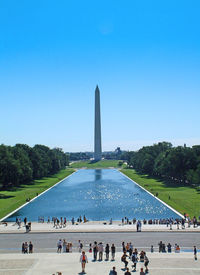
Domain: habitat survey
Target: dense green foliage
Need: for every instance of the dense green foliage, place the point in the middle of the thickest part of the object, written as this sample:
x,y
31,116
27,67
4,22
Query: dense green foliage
x,y
21,164
181,197
15,197
179,164
98,164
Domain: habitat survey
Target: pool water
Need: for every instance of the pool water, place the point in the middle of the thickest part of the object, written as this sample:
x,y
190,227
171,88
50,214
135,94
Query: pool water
x,y
99,195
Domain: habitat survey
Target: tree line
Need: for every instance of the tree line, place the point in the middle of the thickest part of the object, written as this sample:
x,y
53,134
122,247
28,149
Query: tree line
x,y
180,164
21,164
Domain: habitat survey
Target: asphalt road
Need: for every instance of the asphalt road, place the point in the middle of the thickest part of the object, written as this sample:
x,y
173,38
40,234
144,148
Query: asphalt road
x,y
46,242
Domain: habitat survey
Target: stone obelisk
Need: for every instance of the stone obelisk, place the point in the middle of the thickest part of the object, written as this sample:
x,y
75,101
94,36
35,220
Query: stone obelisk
x,y
97,127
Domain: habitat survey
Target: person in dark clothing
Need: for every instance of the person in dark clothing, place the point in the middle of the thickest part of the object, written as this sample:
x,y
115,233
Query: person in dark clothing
x,y
169,248
107,250
95,250
127,272
195,253
30,248
113,271
123,259
113,249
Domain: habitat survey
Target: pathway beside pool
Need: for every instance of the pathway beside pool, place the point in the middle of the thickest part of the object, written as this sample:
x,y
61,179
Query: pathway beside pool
x,y
68,264
98,226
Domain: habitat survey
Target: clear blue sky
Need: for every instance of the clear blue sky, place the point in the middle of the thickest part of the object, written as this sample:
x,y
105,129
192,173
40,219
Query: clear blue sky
x,y
144,55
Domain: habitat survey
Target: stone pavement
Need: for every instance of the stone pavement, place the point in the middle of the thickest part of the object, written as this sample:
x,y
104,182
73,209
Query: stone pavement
x,y
97,226
68,264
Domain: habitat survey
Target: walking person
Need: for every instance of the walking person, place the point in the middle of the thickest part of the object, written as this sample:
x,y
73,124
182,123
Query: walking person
x,y
107,250
123,259
113,250
146,262
195,253
64,246
83,260
134,260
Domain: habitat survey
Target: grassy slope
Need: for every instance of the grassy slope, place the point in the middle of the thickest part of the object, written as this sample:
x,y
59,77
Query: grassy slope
x,y
99,164
10,200
182,198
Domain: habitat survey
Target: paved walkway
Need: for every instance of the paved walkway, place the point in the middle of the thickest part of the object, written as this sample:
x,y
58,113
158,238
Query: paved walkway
x,y
98,226
68,264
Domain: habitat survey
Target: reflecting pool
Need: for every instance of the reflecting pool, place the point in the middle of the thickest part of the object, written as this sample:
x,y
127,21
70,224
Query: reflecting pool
x,y
99,195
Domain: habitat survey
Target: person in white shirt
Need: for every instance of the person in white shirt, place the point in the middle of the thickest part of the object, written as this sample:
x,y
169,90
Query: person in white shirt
x,y
83,261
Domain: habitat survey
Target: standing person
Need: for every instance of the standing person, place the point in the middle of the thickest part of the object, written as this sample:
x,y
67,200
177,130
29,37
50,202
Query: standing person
x,y
100,249
169,248
83,260
26,248
130,249
64,246
127,272
107,250
113,250
95,250
80,246
59,246
23,248
25,221
30,247
195,253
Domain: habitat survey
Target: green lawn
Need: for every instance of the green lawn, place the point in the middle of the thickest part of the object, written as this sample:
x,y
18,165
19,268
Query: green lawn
x,y
182,198
12,199
98,164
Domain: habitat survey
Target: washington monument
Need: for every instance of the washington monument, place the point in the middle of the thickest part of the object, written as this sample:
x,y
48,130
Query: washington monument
x,y
97,127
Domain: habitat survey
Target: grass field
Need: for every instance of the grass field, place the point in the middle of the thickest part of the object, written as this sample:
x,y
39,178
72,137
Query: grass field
x,y
12,199
182,198
98,164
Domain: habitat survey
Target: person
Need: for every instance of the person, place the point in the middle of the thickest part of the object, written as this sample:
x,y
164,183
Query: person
x,y
169,248
113,249
83,260
160,246
59,246
23,248
25,221
26,248
80,246
90,248
152,249
100,249
146,262
95,250
127,272
113,271
195,253
64,246
142,253
123,259
134,260
107,250
130,249
142,271
30,248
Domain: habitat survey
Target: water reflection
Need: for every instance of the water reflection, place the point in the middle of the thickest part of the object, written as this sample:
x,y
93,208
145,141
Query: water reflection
x,y
98,174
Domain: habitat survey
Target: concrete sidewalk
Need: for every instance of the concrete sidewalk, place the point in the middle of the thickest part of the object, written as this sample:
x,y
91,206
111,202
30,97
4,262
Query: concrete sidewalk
x,y
95,226
68,264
